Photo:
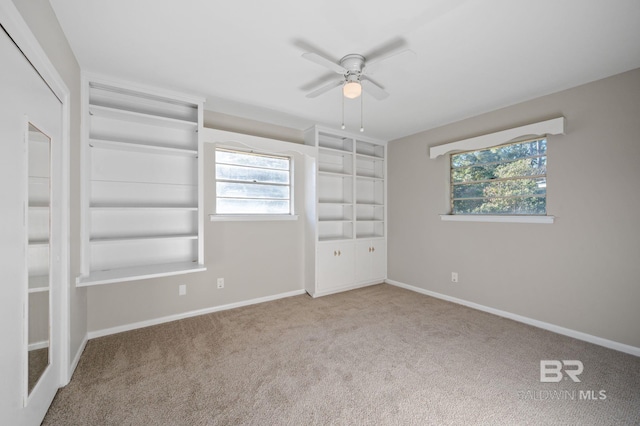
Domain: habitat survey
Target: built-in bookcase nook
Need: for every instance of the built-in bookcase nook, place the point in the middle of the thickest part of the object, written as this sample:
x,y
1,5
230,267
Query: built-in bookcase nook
x,y
350,186
142,193
350,210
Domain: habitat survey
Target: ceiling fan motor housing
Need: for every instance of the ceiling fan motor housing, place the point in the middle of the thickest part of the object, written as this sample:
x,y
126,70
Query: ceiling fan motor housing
x,y
353,63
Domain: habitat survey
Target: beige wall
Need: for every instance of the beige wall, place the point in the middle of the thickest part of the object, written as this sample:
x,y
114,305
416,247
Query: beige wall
x,y
587,274
43,23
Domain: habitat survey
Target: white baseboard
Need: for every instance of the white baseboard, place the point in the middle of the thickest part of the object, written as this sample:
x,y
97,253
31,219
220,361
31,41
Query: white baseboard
x,y
344,288
156,321
530,321
76,359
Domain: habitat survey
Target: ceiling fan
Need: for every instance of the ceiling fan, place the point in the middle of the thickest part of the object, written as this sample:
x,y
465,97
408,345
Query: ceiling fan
x,y
354,71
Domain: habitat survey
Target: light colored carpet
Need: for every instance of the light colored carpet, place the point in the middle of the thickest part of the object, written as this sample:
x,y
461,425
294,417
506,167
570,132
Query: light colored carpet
x,y
373,356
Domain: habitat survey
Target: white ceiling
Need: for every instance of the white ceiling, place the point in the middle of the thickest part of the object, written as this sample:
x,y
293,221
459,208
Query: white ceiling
x,y
472,56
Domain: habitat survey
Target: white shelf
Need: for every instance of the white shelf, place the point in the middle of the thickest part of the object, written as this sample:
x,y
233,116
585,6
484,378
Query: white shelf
x,y
141,208
139,147
337,220
374,178
368,149
328,239
368,236
117,240
142,118
333,142
369,157
335,202
39,243
38,283
334,151
39,179
138,273
335,174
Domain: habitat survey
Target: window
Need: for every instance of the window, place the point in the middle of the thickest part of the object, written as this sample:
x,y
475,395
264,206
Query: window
x,y
252,183
502,180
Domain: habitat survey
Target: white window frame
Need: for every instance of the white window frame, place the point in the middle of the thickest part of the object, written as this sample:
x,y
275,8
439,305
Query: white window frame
x,y
542,129
258,216
453,184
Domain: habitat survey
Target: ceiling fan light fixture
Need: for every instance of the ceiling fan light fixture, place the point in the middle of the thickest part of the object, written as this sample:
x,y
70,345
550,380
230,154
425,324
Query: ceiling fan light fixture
x,y
352,89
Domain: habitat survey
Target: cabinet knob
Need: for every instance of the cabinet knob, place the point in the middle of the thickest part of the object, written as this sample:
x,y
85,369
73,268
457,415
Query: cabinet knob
x,y
335,253
339,253
373,249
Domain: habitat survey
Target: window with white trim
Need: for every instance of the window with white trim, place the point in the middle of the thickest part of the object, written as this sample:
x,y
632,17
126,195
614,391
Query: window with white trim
x,y
502,180
250,183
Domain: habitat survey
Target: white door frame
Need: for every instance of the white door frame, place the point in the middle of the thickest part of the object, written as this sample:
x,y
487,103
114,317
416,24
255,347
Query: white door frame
x,y
17,28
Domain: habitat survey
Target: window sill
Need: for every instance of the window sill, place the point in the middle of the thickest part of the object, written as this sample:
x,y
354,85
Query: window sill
x,y
251,217
496,218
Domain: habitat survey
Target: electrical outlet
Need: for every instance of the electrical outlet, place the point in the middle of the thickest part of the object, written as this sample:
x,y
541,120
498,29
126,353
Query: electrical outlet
x,y
454,277
182,289
220,282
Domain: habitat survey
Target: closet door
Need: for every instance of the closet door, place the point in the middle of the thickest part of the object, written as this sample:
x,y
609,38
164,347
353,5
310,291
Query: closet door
x,y
30,238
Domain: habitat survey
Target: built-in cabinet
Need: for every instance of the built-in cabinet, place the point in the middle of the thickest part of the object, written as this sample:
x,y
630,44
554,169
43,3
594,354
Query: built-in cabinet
x,y
350,210
142,193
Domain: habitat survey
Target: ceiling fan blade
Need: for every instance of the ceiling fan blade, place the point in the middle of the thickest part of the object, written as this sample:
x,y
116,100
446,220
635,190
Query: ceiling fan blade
x,y
373,65
321,60
395,44
324,88
374,89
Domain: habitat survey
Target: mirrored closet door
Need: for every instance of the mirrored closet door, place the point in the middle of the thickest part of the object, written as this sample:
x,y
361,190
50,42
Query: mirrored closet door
x,y
39,255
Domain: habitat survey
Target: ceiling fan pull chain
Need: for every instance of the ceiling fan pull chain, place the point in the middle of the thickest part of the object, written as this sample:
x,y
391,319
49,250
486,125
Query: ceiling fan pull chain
x,y
361,112
342,127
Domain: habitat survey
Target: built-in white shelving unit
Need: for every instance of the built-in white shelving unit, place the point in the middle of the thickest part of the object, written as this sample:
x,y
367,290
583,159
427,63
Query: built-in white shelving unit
x,y
142,213
350,209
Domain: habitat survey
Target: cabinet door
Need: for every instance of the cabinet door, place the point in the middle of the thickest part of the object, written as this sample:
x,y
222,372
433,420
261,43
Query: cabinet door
x,y
363,260
378,259
371,260
335,265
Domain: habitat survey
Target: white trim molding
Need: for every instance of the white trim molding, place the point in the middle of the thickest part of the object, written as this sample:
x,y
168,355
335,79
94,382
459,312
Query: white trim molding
x,y
251,217
632,350
554,126
76,358
496,218
162,320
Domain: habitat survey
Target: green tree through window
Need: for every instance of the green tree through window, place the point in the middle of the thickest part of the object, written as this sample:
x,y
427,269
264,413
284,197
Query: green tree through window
x,y
508,180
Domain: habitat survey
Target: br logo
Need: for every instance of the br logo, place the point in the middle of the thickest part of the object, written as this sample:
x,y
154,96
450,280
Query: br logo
x,y
551,370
